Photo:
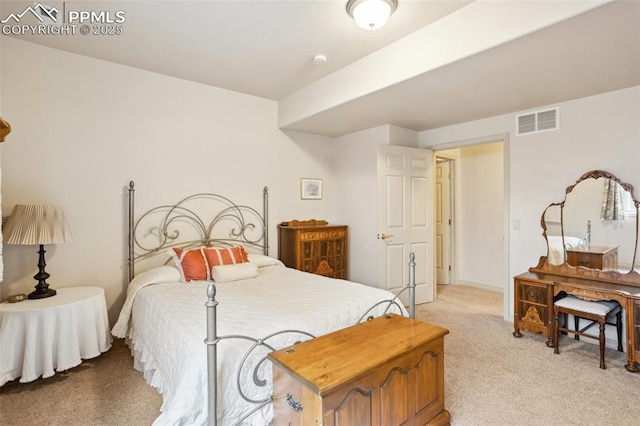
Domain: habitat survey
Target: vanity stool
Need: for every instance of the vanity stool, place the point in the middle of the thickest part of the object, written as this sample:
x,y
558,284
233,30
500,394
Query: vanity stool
x,y
596,312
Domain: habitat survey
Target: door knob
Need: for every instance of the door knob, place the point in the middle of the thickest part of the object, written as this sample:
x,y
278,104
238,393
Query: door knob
x,y
385,236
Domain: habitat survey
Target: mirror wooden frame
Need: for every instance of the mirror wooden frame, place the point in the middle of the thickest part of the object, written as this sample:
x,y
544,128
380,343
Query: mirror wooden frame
x,y
631,278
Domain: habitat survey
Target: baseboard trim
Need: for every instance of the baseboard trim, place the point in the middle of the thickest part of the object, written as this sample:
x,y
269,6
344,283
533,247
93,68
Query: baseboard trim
x,y
481,286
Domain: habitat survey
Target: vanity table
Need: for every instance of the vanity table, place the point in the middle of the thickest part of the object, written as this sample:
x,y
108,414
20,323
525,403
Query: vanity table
x,y
535,292
591,273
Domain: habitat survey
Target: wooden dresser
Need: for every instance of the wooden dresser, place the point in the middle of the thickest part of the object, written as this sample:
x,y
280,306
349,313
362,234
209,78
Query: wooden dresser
x,y
387,371
314,246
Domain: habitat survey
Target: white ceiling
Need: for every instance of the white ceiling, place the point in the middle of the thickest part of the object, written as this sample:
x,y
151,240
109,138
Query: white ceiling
x,y
265,48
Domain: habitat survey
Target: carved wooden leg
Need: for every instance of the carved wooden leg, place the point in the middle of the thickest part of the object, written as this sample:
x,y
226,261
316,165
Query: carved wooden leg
x,y
565,323
556,318
516,332
601,339
619,330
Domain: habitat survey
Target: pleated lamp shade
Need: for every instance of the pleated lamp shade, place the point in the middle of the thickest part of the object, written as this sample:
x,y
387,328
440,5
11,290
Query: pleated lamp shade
x,y
31,224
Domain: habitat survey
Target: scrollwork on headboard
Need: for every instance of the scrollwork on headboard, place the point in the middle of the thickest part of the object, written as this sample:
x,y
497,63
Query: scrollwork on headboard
x,y
203,219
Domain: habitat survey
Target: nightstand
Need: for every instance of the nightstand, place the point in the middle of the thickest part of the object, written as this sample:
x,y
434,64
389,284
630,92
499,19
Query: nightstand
x,y
42,336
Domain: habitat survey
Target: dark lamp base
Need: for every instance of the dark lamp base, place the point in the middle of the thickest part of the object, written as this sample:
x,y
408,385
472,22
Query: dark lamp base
x,y
42,288
42,293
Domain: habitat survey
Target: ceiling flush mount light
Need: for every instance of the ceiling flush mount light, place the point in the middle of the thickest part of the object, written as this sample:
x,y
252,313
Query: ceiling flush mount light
x,y
371,14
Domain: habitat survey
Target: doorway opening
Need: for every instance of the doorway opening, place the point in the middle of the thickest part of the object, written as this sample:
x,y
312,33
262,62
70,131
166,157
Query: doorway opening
x,y
471,213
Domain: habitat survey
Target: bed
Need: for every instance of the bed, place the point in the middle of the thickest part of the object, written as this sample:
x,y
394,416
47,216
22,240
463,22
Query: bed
x,y
558,247
202,343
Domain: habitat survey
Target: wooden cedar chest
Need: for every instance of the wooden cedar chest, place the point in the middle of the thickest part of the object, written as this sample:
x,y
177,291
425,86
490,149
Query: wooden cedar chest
x,y
387,371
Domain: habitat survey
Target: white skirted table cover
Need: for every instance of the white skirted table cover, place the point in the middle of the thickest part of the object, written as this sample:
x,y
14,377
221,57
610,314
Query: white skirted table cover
x,y
40,337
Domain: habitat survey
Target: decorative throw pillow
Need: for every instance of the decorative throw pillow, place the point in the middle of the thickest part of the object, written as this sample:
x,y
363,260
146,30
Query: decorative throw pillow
x,y
196,264
225,255
192,264
239,271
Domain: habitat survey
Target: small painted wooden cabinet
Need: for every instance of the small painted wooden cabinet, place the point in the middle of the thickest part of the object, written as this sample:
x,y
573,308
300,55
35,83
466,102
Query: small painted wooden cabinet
x,y
314,246
345,378
594,257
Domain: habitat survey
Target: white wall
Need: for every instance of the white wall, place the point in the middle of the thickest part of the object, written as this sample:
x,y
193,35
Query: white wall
x,y
597,132
356,176
82,128
357,198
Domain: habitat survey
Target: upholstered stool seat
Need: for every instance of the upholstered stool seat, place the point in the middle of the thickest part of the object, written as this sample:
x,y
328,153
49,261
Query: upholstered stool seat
x,y
599,312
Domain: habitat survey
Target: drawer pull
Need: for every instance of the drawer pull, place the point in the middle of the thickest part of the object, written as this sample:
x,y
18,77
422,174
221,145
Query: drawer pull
x,y
295,405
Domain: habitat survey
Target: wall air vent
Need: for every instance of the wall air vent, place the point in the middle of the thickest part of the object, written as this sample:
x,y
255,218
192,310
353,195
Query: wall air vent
x,y
538,121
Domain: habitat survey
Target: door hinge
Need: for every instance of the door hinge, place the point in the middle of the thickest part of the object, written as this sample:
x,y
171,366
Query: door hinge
x,y
449,268
449,222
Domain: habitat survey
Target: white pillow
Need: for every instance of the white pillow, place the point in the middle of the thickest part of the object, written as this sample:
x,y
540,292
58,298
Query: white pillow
x,y
239,271
262,260
157,275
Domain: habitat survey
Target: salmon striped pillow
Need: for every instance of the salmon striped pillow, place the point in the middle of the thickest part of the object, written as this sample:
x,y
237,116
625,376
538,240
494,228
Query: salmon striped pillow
x,y
225,255
196,264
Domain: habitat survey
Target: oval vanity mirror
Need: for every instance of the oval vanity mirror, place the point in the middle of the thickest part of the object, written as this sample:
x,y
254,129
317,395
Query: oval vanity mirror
x,y
598,223
551,224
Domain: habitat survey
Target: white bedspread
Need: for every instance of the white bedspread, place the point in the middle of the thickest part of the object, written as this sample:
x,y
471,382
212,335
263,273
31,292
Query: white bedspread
x,y
556,254
168,327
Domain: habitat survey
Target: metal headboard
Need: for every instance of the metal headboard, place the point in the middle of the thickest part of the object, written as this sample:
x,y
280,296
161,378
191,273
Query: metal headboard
x,y
160,227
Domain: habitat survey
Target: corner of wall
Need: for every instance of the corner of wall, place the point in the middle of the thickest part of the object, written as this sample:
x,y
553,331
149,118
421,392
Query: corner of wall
x,y
401,136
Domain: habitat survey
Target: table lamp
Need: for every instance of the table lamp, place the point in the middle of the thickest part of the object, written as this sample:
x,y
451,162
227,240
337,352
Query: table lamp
x,y
38,224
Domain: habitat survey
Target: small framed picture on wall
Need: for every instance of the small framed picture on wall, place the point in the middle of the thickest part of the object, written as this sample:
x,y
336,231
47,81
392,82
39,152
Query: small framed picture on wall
x,y
310,189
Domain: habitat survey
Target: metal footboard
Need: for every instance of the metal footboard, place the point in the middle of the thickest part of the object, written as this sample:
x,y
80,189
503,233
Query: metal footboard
x,y
213,340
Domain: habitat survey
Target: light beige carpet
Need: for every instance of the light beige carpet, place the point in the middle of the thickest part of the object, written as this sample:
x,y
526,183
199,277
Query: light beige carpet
x,y
101,391
491,378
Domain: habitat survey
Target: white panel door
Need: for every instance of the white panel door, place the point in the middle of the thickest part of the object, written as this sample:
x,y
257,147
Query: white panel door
x,y
443,221
405,219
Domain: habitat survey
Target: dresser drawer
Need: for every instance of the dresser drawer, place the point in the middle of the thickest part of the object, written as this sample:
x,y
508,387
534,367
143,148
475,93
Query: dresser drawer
x,y
535,294
532,307
322,235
